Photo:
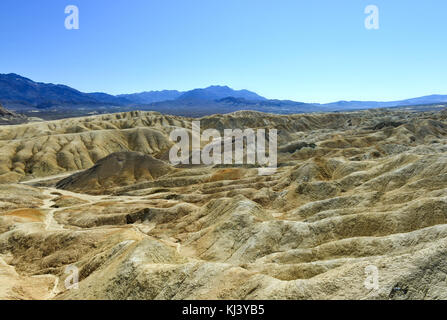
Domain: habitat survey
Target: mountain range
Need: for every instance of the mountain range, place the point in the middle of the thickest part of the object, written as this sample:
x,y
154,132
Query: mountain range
x,y
21,94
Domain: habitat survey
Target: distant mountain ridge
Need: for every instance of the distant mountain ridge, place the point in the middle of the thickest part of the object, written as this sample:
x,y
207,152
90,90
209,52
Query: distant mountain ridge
x,y
152,96
430,99
18,93
217,93
208,94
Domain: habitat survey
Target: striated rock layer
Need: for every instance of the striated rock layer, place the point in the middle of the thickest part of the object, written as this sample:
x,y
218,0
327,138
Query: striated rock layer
x,y
354,192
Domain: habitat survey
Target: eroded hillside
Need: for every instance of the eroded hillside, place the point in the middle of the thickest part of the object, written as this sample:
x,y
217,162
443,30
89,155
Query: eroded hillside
x,y
352,190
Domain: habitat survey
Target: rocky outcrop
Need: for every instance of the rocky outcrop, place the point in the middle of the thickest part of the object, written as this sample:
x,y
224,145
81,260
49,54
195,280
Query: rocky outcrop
x,y
8,117
116,170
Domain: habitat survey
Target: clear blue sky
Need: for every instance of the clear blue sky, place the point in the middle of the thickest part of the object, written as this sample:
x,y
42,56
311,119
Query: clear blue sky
x,y
311,51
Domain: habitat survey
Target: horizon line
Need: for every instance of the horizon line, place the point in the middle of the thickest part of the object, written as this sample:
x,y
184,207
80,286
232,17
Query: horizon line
x,y
232,88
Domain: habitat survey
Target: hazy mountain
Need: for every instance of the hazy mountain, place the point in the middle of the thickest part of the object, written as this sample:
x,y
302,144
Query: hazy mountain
x,y
219,92
107,98
346,105
152,96
435,98
207,94
21,94
17,89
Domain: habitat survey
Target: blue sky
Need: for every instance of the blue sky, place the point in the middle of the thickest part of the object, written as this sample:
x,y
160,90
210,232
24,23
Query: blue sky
x,y
311,51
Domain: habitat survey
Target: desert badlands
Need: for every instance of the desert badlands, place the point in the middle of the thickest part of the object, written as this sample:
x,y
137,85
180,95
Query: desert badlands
x,y
357,209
